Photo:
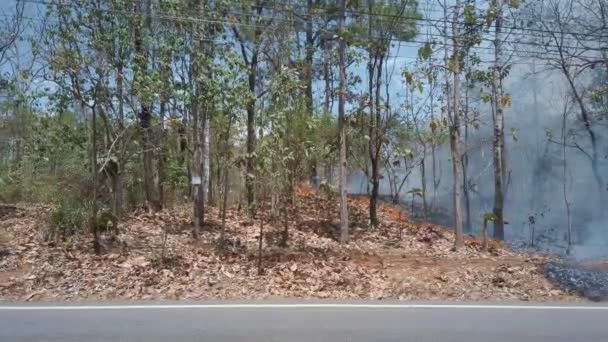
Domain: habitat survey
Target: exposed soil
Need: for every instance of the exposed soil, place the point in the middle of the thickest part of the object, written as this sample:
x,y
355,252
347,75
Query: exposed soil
x,y
399,260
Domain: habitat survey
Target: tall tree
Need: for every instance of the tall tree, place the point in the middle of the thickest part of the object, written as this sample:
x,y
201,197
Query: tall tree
x,y
387,21
454,121
248,32
498,102
142,35
343,165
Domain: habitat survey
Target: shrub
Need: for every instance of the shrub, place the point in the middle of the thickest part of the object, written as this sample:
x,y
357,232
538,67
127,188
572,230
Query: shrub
x,y
70,216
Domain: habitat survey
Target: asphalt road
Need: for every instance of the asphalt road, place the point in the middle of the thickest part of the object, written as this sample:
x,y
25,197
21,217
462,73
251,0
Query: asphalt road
x,y
296,322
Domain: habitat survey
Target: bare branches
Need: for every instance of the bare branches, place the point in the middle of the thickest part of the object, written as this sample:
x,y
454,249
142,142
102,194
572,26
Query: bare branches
x,y
11,29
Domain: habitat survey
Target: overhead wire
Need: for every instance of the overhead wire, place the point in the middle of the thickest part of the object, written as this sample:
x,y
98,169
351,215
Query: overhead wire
x,y
485,50
438,43
358,12
241,24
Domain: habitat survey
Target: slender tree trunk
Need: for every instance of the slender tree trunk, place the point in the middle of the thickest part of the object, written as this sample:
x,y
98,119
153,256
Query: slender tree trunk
x,y
326,76
425,209
377,145
433,152
162,157
251,138
225,178
565,183
455,135
117,190
93,222
343,167
210,165
198,204
373,161
498,140
225,188
145,119
537,153
196,171
447,111
204,161
465,161
261,245
310,49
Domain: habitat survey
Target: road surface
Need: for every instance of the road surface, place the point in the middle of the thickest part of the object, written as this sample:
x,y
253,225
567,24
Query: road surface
x,y
373,321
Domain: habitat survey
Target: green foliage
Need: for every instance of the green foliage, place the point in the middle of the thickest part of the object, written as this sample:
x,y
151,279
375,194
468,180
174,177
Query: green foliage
x,y
485,97
514,3
389,21
426,51
52,158
489,217
70,215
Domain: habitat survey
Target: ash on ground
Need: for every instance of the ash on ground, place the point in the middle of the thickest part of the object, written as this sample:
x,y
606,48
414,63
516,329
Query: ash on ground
x,y
591,283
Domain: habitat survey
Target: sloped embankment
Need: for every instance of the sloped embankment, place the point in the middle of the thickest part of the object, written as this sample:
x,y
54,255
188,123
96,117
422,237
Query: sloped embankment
x,y
399,260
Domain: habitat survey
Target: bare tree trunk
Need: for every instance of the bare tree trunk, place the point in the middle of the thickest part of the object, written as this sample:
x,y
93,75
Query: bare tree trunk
x,y
343,167
310,50
498,141
455,135
326,76
251,139
484,235
93,220
261,245
465,161
373,128
377,145
433,153
224,204
162,157
425,209
145,122
565,181
537,128
198,122
197,205
117,190
145,118
204,161
224,183
210,166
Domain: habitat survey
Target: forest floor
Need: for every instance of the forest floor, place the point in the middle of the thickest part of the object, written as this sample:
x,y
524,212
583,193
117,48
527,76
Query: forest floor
x,y
398,260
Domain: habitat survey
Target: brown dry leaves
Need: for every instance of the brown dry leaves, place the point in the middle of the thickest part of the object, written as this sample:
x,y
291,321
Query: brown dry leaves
x,y
397,260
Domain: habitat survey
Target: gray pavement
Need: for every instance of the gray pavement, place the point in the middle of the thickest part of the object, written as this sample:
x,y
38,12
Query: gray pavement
x,y
373,321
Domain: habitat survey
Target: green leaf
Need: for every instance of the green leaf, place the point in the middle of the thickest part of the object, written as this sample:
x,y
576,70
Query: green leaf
x,y
469,15
489,217
409,77
514,133
514,3
426,51
485,97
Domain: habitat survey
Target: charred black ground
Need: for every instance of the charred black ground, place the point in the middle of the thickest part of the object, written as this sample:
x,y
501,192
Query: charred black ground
x,y
593,284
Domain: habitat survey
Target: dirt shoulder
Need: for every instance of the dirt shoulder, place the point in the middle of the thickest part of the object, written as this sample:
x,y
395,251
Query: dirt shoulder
x,y
399,260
